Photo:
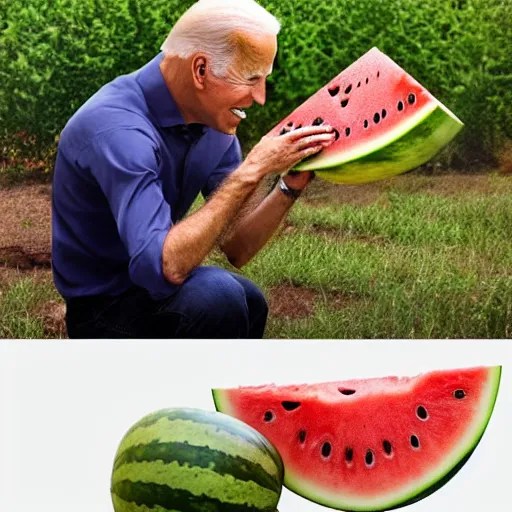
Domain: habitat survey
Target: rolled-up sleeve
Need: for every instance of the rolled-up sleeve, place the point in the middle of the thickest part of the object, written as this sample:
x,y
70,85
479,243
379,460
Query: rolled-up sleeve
x,y
229,162
124,164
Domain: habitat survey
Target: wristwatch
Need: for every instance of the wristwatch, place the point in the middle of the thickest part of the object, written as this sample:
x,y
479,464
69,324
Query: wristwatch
x,y
287,191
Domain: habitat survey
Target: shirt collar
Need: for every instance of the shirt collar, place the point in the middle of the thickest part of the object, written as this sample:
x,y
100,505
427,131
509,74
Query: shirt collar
x,y
159,99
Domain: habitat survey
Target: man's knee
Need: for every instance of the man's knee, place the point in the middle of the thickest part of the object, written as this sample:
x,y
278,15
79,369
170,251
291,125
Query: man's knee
x,y
256,301
214,293
218,304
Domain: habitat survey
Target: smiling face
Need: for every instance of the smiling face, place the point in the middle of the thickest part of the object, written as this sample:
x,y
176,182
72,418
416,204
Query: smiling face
x,y
225,99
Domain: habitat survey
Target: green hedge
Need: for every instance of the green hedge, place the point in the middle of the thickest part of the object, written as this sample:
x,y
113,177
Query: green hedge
x,y
55,53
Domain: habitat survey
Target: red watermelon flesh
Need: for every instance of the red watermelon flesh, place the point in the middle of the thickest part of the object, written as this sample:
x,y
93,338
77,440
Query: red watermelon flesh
x,y
386,122
370,444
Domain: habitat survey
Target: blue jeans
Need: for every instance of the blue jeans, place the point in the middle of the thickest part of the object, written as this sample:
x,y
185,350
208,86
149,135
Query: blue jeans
x,y
211,303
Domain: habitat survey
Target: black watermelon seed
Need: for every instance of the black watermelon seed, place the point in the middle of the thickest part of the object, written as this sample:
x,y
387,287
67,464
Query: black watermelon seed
x,y
376,118
365,124
367,80
347,392
378,74
459,394
318,121
422,413
387,447
326,449
290,406
344,103
283,131
334,91
349,454
415,442
359,84
269,416
384,113
300,126
302,436
336,134
347,131
400,106
348,89
290,124
411,99
368,458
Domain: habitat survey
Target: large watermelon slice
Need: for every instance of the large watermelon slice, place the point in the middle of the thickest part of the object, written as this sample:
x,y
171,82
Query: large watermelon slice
x,y
375,444
386,122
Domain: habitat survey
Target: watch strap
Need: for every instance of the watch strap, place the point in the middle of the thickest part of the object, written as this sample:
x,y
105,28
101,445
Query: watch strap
x,y
288,191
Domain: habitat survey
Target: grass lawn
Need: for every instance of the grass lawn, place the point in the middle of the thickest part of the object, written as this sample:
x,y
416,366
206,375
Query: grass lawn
x,y
412,257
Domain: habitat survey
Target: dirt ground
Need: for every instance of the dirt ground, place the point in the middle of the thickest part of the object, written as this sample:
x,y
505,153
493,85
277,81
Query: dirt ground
x,y
25,229
25,235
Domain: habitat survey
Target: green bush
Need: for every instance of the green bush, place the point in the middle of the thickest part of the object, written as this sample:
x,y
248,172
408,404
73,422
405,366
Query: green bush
x,y
55,54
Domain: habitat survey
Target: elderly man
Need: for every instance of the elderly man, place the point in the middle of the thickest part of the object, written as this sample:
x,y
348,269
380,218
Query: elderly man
x,y
134,157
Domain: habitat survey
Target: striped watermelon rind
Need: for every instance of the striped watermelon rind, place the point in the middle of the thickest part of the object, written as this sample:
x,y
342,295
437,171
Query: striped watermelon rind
x,y
411,145
408,494
189,459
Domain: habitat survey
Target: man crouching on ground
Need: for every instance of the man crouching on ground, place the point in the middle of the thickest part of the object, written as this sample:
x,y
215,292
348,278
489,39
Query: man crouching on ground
x,y
131,162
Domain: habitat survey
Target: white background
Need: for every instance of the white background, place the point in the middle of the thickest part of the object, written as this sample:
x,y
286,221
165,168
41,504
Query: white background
x,y
64,407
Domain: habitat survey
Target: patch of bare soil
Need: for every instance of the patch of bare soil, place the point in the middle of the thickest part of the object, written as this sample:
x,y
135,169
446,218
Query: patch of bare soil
x,y
10,275
53,314
16,256
295,302
505,160
25,247
452,184
25,230
321,192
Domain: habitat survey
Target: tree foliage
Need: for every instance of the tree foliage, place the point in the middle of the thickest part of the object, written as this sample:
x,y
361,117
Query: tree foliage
x,y
55,53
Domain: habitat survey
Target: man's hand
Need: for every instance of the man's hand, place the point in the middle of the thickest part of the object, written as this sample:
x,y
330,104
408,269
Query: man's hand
x,y
279,154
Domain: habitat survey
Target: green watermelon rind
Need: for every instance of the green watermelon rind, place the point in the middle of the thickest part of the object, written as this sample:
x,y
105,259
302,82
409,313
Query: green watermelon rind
x,y
151,455
412,143
440,477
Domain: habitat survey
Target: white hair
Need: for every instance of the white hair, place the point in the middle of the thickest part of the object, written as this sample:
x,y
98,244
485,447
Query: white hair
x,y
207,27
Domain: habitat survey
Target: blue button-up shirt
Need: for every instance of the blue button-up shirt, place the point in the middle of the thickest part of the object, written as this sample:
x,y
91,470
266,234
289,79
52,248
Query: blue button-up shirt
x,y
127,169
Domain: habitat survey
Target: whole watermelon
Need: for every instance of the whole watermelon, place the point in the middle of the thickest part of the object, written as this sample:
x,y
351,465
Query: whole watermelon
x,y
193,460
